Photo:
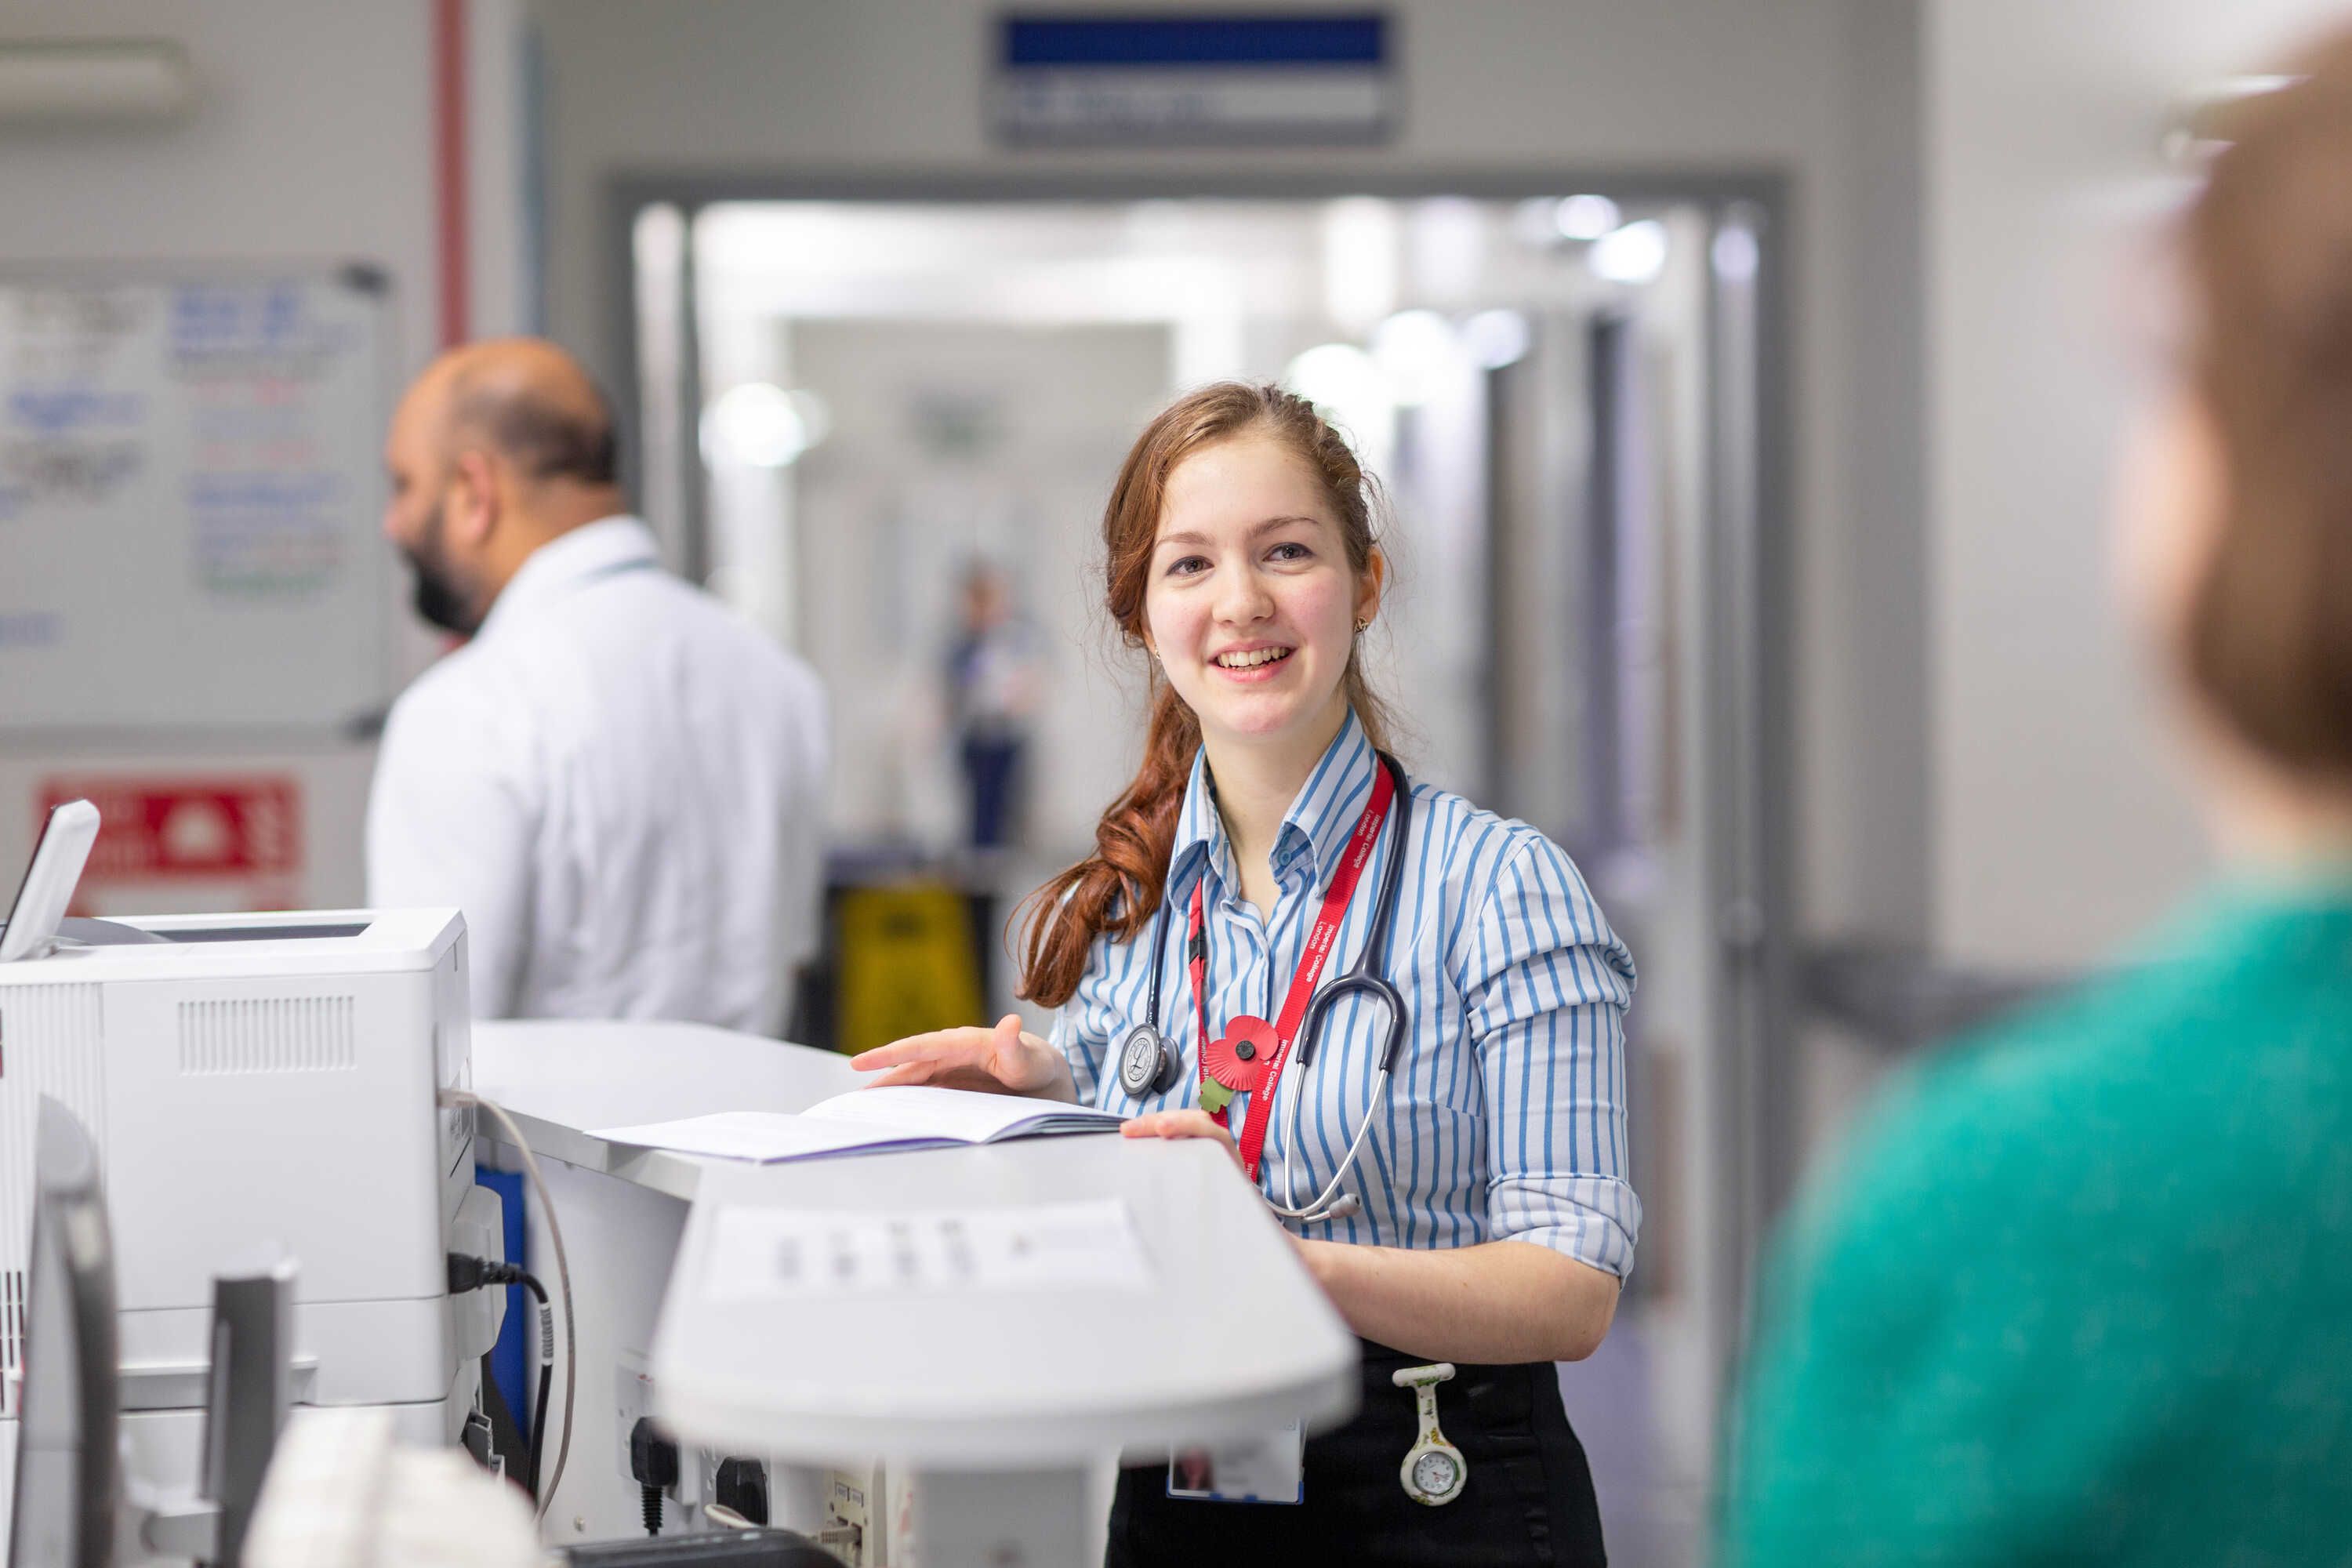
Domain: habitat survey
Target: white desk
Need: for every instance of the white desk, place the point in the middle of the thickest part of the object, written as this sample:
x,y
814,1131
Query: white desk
x,y
560,1077
1000,1403
622,1211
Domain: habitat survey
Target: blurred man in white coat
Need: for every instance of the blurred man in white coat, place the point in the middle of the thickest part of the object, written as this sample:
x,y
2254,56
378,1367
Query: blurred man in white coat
x,y
617,780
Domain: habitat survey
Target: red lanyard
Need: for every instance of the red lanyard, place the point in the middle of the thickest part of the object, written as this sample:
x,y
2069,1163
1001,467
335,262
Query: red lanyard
x,y
1302,983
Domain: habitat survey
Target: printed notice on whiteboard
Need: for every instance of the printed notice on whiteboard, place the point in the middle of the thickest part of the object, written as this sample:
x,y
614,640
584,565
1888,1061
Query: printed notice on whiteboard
x,y
777,1254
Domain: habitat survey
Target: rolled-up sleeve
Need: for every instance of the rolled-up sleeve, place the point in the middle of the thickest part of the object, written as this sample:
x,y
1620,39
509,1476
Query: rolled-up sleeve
x,y
1546,983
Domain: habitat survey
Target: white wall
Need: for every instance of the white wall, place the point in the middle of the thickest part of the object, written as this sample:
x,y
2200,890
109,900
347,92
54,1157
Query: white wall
x,y
308,139
2061,822
893,88
311,138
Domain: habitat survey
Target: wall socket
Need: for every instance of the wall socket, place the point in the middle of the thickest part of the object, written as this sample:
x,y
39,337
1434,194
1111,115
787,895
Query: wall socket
x,y
632,1397
856,1515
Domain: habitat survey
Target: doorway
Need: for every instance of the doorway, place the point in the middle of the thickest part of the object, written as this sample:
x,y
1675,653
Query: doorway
x,y
853,406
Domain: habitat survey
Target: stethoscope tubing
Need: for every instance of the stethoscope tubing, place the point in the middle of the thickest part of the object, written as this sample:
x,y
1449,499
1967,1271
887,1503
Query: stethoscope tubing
x,y
1362,979
1331,1203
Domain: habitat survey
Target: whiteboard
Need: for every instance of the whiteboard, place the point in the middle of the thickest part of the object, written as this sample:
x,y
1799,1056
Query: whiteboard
x,y
190,489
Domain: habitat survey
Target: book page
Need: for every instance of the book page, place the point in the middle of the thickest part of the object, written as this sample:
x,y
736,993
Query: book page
x,y
760,1135
959,1113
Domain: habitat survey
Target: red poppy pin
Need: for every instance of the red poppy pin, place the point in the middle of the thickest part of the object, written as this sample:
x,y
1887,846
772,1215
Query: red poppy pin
x,y
1239,1060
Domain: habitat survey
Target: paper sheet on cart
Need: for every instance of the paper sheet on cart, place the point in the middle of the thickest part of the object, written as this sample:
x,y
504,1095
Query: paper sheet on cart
x,y
767,1254
867,1120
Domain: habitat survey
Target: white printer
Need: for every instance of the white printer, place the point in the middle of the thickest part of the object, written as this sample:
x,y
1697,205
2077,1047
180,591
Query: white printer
x,y
257,1081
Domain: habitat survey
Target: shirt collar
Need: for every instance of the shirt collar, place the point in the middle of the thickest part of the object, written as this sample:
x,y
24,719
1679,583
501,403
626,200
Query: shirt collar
x,y
616,543
1318,823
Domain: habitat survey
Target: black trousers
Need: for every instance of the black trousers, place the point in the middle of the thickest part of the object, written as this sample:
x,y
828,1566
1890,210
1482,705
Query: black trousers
x,y
1529,1498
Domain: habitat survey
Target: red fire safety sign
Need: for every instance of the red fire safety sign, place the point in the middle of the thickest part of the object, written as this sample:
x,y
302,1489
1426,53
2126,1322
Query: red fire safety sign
x,y
211,829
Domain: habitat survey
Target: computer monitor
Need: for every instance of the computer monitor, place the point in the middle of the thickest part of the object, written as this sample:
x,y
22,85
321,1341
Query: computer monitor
x,y
66,1481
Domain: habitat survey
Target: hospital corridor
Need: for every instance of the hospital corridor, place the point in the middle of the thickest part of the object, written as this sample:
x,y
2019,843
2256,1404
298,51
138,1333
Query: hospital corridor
x,y
927,782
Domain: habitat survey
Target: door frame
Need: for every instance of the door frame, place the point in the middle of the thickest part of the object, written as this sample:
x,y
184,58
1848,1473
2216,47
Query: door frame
x,y
1748,534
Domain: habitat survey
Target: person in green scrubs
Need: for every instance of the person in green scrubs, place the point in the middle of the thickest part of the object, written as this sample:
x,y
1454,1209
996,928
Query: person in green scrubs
x,y
2080,1290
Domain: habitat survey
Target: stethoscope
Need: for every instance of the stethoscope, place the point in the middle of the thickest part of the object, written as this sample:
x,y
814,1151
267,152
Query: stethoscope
x,y
1148,1065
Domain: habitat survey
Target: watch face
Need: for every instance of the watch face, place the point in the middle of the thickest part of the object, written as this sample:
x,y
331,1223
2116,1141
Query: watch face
x,y
1437,1473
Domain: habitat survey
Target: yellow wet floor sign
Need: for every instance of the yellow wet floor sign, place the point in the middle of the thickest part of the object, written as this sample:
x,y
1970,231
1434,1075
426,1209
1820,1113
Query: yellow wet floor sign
x,y
906,963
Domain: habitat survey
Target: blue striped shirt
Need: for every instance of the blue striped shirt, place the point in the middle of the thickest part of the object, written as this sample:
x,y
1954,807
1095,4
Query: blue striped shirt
x,y
1506,1117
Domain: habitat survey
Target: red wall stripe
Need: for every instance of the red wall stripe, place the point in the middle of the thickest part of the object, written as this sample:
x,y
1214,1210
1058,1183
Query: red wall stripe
x,y
449,187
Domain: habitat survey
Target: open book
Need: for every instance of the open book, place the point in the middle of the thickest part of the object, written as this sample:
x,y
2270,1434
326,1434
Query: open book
x,y
868,1122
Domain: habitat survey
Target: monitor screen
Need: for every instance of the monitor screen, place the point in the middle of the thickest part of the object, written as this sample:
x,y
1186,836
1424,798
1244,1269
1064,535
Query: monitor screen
x,y
49,881
66,1481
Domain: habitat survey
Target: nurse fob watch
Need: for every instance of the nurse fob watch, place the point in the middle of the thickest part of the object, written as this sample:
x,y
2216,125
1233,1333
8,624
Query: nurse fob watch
x,y
1433,1469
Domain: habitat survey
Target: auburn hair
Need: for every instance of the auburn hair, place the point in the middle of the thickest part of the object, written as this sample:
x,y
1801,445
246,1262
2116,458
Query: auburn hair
x,y
2268,637
1119,886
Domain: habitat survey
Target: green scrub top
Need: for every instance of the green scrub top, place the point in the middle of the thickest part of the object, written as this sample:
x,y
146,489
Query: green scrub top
x,y
2080,1292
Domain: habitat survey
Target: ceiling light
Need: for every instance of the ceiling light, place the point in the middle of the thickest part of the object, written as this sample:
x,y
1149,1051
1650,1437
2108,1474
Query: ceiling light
x,y
96,82
1496,338
1343,382
1585,217
1634,254
1360,260
1734,254
763,425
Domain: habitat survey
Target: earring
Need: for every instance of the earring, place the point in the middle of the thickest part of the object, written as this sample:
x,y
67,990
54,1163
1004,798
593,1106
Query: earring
x,y
1363,624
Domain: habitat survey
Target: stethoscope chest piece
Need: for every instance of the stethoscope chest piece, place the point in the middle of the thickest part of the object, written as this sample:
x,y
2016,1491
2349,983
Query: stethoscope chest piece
x,y
1434,1471
1147,1066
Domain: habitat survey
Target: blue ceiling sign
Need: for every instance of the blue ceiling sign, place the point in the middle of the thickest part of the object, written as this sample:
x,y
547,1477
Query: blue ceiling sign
x,y
1172,78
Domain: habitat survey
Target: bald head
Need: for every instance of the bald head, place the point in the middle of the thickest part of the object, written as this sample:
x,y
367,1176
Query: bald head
x,y
529,402
497,448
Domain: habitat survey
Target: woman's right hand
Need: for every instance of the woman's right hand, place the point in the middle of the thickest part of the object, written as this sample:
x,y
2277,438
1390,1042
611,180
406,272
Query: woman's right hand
x,y
1006,1060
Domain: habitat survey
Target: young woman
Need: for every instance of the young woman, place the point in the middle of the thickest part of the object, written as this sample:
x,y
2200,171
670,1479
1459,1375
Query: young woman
x,y
1485,1218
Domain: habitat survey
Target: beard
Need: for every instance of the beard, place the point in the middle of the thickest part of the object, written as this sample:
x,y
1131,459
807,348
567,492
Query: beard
x,y
441,597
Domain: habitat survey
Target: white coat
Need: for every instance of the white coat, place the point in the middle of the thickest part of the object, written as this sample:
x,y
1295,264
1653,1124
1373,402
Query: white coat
x,y
619,784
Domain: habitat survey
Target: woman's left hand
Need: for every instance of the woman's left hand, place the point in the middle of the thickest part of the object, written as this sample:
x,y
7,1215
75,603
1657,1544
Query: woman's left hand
x,y
1180,1124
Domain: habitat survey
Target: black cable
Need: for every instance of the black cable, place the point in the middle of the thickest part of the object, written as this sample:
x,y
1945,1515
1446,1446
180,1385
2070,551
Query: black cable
x,y
546,1379
511,1135
467,1273
654,1464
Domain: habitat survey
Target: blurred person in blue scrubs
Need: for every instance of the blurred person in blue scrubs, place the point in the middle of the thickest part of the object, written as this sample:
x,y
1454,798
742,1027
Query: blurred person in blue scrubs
x,y
994,681
618,780
2080,1292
